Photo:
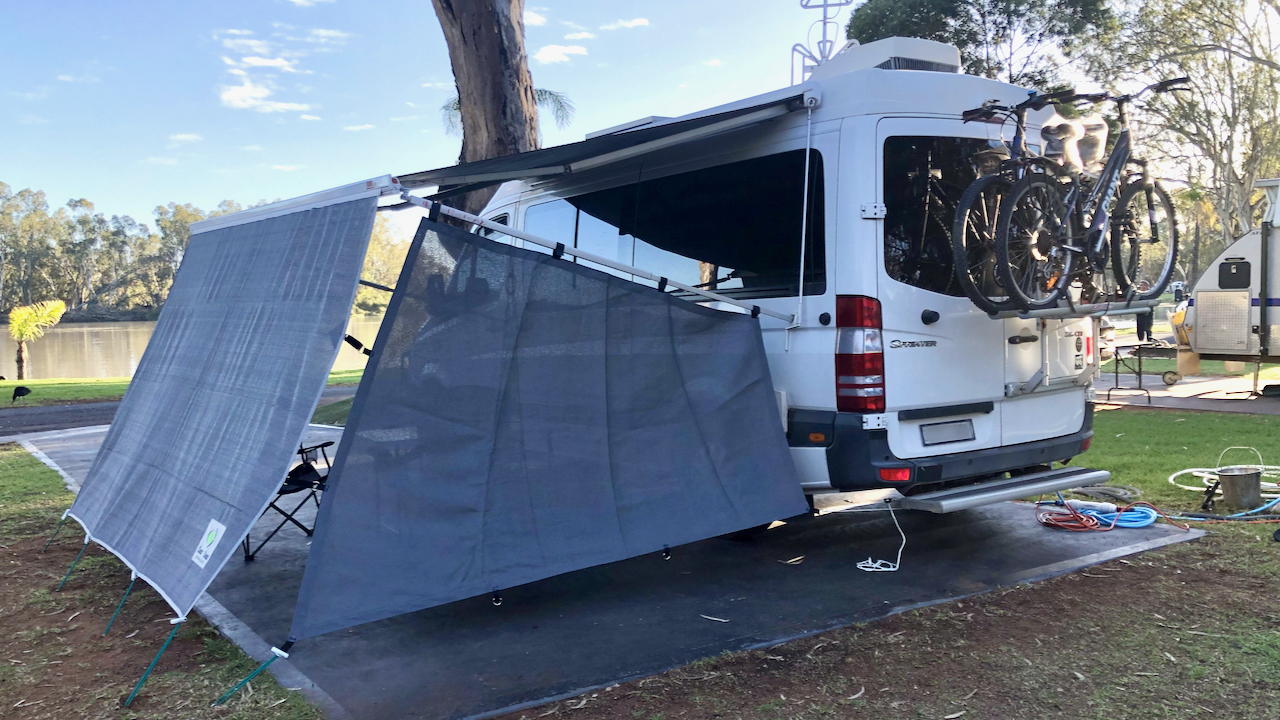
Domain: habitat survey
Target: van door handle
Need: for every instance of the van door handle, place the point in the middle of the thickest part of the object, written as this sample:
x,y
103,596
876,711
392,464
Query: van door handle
x,y
1019,339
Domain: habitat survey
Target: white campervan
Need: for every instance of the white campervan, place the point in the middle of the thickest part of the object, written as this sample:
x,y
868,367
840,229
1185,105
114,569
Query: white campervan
x,y
888,376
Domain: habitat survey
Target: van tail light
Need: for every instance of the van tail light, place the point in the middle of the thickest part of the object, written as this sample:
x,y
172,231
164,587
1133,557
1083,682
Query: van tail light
x,y
859,355
895,474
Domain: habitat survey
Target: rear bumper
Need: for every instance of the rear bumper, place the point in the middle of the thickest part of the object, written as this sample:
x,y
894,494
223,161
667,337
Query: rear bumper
x,y
855,456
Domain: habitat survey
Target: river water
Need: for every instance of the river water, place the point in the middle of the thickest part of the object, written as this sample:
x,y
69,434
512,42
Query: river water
x,y
113,349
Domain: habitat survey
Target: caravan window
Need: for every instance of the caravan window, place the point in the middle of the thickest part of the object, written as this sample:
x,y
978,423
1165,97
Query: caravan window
x,y
733,228
923,179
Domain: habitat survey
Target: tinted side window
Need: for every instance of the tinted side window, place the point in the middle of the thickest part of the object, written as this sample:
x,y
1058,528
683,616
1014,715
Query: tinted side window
x,y
923,179
733,228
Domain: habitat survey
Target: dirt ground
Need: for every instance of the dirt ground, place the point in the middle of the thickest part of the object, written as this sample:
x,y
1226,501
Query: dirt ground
x,y
1189,631
55,663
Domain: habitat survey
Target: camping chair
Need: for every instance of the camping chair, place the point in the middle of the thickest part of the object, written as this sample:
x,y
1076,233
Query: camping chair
x,y
304,477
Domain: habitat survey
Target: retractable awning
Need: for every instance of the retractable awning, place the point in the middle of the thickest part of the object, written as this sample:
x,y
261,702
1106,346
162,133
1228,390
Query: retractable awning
x,y
605,149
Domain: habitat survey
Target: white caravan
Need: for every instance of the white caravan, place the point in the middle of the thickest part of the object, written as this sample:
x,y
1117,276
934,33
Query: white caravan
x,y
1232,313
888,376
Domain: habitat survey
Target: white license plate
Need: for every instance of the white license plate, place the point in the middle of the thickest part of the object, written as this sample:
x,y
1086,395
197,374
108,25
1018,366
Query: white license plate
x,y
946,432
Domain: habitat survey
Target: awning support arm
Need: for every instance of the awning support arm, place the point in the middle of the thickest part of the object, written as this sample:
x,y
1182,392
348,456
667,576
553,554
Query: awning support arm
x,y
434,208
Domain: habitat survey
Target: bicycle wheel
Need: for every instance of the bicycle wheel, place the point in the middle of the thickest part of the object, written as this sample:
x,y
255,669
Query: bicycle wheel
x,y
1034,266
1144,241
973,243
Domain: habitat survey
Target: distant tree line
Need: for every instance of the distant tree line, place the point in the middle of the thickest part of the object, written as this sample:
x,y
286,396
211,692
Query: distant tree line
x,y
102,266
113,267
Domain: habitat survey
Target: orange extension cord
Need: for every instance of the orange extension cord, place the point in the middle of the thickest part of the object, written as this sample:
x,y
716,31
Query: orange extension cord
x,y
1066,517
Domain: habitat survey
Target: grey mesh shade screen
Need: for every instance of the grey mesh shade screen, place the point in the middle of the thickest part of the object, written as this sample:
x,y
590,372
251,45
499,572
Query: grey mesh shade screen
x,y
524,416
227,384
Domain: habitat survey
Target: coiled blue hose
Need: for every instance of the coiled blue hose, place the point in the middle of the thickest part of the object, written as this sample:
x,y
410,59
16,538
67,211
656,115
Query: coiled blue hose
x,y
1135,517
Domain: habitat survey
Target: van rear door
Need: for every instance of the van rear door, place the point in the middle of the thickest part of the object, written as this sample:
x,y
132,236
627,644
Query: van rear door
x,y
1047,367
944,375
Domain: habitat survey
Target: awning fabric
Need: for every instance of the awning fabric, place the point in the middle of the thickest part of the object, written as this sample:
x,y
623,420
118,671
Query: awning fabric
x,y
600,150
214,413
524,416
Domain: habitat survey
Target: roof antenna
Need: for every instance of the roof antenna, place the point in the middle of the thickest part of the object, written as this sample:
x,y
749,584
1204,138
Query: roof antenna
x,y
803,58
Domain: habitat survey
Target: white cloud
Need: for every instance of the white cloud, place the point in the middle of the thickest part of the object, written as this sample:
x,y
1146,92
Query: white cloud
x,y
68,78
308,117
276,63
29,119
532,17
439,85
359,128
39,93
558,53
249,95
237,31
572,24
251,148
405,118
326,36
713,62
308,3
184,138
583,35
157,160
286,168
622,24
247,46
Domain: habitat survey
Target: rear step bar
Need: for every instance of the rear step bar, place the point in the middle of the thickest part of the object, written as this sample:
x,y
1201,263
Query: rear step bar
x,y
968,496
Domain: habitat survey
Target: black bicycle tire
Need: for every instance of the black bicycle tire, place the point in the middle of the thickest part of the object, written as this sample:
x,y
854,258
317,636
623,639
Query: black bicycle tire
x,y
1019,188
959,251
1121,273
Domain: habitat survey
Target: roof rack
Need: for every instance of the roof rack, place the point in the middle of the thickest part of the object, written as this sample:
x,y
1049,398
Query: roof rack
x,y
1067,309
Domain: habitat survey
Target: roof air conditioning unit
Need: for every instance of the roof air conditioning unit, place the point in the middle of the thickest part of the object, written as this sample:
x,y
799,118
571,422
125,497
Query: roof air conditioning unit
x,y
895,53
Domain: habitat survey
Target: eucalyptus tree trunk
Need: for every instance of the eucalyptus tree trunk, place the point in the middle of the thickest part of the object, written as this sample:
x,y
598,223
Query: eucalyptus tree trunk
x,y
20,360
495,90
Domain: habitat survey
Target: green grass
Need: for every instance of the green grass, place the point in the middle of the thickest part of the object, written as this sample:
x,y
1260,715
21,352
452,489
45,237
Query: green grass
x,y
30,493
333,413
1143,447
60,391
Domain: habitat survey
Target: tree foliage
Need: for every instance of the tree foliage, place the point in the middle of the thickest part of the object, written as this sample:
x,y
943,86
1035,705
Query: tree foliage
x,y
28,323
1024,42
382,264
559,104
1224,134
100,265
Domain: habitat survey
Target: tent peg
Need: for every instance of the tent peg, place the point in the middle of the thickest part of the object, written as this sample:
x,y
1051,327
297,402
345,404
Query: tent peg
x,y
177,623
496,598
72,568
666,553
120,605
62,521
276,654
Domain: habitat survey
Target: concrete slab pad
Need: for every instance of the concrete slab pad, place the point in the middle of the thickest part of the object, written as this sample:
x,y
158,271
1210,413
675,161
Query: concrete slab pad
x,y
592,628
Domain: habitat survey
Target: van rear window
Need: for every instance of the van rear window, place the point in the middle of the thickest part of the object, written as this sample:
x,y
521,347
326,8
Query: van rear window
x,y
923,179
732,228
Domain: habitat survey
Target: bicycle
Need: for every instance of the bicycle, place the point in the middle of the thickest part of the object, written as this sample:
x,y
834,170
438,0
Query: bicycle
x,y
973,235
1039,234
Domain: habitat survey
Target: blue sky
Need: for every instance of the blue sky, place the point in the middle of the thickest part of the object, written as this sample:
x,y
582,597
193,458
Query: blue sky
x,y
132,104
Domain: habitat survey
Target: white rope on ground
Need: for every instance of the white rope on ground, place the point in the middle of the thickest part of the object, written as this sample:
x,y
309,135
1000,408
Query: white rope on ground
x,y
872,565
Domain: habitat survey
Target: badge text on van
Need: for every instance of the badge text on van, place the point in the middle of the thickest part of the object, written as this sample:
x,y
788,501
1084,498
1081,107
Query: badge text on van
x,y
913,343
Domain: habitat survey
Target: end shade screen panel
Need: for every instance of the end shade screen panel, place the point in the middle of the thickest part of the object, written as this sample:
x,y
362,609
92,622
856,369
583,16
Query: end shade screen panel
x,y
524,416
227,384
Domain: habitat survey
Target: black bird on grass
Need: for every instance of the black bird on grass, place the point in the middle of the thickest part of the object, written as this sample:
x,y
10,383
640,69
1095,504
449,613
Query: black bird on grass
x,y
19,392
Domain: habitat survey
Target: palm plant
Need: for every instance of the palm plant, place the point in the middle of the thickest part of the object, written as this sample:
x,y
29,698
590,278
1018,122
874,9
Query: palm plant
x,y
27,323
558,103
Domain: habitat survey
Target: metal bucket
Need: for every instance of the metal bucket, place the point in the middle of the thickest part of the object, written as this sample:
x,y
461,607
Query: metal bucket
x,y
1241,485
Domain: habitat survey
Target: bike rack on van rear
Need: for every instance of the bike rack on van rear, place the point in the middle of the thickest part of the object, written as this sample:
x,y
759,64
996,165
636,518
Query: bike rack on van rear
x,y
1070,310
